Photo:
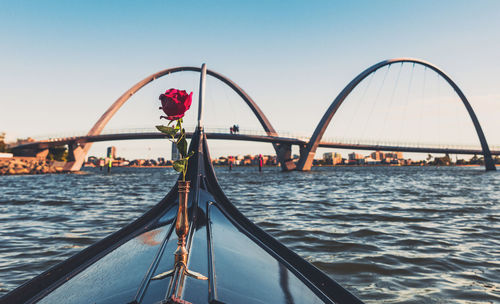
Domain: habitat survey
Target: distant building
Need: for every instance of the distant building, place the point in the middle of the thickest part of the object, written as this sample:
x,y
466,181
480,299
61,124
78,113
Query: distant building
x,y
111,153
356,159
245,160
377,155
337,158
355,156
394,155
331,158
327,157
371,161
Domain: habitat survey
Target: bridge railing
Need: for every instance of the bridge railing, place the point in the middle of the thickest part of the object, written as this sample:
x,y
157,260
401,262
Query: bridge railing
x,y
281,133
66,135
363,141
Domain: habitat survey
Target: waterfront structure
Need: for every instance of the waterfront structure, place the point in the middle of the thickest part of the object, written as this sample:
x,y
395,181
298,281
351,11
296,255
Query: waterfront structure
x,y
395,155
78,147
332,158
111,152
377,155
355,156
309,151
79,151
329,159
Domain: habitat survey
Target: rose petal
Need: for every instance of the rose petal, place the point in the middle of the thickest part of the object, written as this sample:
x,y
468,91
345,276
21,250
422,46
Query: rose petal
x,y
175,103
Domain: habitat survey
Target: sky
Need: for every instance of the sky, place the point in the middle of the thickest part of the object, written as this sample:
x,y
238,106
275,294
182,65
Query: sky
x,y
63,63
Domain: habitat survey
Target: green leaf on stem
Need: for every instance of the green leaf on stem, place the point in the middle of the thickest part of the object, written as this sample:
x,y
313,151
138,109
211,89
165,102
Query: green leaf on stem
x,y
179,165
189,155
182,146
167,130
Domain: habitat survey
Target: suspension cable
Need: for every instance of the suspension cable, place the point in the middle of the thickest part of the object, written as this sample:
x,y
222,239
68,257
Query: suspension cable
x,y
405,108
355,114
375,101
422,107
392,98
439,109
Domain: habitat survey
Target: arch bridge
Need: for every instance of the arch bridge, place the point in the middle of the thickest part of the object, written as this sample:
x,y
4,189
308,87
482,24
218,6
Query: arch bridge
x,y
308,152
79,149
79,146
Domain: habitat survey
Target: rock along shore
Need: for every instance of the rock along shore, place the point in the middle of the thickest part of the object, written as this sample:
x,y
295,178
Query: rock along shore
x,y
29,165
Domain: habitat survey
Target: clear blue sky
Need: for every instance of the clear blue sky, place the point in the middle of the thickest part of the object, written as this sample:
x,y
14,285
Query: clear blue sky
x,y
62,63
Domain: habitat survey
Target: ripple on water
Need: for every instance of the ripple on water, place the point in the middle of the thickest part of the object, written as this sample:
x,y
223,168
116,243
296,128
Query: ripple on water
x,y
389,234
55,203
14,201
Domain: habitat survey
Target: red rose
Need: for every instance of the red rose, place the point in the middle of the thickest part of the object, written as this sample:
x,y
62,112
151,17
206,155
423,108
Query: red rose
x,y
175,103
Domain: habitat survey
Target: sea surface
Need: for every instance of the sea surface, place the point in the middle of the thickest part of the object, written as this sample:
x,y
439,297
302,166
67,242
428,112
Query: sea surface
x,y
388,234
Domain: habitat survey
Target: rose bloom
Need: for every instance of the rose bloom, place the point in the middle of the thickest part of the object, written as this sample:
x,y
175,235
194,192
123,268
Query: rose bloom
x,y
175,103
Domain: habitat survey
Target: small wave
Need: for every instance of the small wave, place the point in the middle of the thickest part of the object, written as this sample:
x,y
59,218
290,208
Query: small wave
x,y
329,246
412,243
365,233
78,240
15,202
56,203
353,268
389,234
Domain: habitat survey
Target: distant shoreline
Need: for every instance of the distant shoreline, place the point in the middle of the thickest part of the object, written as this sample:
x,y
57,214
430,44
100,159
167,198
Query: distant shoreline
x,y
316,166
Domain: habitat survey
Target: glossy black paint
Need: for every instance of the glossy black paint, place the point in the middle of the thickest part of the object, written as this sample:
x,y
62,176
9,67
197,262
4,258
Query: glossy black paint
x,y
242,262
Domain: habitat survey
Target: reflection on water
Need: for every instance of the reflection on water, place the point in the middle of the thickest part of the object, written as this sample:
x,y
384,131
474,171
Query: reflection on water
x,y
150,237
388,234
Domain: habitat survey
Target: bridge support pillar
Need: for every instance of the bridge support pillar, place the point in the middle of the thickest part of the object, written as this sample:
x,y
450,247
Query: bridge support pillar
x,y
42,154
76,157
489,163
306,159
285,157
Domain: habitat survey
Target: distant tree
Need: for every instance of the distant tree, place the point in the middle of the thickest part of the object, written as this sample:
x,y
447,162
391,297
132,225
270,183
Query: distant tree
x,y
58,153
443,161
474,160
3,145
448,159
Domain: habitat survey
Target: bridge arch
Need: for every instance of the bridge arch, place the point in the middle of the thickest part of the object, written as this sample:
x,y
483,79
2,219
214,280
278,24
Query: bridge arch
x,y
81,151
308,152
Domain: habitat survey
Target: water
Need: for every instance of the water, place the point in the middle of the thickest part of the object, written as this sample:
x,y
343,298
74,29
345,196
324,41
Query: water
x,y
388,234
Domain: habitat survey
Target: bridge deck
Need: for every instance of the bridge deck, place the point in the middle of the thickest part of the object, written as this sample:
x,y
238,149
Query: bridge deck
x,y
44,144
